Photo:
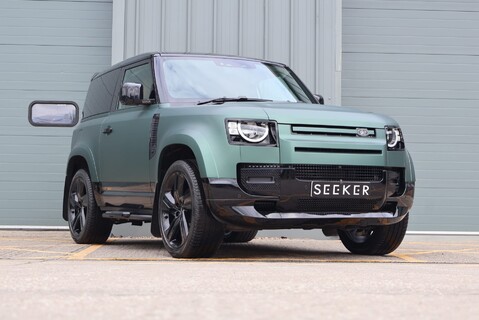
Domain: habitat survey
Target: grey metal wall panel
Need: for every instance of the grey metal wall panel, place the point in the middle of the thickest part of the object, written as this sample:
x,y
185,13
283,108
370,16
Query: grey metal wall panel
x,y
227,27
301,33
202,23
418,61
48,51
253,24
175,25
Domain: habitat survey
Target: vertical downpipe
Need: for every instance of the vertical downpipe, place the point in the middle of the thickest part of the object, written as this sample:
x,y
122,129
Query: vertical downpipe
x,y
265,29
215,23
240,28
291,47
188,26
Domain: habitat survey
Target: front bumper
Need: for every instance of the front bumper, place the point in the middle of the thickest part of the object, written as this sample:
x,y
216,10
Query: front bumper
x,y
279,197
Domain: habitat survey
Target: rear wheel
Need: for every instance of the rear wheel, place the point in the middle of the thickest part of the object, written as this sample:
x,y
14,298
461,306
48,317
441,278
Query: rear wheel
x,y
84,217
187,228
379,240
239,236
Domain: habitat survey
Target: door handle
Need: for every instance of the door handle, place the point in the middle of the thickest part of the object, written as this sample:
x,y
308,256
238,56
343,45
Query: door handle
x,y
108,130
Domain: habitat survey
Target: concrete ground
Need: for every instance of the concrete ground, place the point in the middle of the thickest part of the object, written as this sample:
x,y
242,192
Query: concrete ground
x,y
45,275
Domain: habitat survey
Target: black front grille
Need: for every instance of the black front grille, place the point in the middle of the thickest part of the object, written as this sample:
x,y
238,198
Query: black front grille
x,y
337,173
339,205
332,131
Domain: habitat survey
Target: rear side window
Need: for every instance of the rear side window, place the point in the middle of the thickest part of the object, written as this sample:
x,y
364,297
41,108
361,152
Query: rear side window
x,y
100,94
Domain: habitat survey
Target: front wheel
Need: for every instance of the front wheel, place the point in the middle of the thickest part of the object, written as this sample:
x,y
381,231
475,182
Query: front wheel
x,y
379,240
187,228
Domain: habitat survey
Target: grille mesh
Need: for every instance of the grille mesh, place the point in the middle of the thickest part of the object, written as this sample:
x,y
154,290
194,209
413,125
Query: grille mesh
x,y
260,171
336,173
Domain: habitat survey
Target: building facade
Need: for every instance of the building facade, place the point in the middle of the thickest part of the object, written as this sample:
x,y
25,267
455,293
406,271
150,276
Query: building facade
x,y
415,61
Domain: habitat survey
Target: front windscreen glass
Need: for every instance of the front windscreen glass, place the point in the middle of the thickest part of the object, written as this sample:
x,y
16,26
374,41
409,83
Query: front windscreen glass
x,y
202,78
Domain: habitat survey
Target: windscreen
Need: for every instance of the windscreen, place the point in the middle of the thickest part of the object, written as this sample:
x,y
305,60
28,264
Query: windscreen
x,y
202,78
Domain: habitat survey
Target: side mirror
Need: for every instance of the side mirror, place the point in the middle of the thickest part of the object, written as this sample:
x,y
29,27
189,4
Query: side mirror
x,y
53,113
319,98
132,94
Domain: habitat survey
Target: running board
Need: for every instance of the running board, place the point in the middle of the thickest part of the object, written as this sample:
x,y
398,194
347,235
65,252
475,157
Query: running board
x,y
127,216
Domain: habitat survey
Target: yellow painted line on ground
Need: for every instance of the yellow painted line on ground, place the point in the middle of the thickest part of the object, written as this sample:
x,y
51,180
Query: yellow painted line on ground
x,y
455,244
44,258
34,239
406,257
31,250
82,254
441,251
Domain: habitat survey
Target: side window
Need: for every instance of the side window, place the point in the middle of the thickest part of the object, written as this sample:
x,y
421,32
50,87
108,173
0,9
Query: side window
x,y
100,94
142,75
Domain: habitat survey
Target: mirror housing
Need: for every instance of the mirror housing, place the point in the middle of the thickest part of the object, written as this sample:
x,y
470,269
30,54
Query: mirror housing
x,y
132,94
319,98
53,113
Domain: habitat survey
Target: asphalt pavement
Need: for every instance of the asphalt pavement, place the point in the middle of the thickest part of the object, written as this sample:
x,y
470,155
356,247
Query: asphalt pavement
x,y
45,275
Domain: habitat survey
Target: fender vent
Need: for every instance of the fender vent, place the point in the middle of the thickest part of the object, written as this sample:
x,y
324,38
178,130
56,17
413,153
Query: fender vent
x,y
154,134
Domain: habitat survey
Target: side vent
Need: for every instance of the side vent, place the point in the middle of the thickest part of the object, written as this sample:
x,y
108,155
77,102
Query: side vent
x,y
153,134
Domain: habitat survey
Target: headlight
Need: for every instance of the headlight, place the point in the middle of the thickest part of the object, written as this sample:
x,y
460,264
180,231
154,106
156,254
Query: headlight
x,y
394,138
251,132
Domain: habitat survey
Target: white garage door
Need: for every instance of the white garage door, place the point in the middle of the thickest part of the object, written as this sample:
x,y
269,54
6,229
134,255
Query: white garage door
x,y
418,61
48,51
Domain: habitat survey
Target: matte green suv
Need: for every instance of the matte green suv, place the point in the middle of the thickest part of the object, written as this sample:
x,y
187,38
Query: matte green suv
x,y
211,149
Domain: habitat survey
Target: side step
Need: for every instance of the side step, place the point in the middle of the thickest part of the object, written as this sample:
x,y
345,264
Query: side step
x,y
126,216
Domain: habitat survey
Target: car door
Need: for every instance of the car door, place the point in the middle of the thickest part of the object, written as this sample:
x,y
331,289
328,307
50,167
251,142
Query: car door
x,y
124,146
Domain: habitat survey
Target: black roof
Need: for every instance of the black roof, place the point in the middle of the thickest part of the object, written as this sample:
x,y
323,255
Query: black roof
x,y
147,55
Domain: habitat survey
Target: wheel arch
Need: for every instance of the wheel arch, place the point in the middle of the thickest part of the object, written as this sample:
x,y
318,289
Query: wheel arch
x,y
410,171
75,163
168,156
194,143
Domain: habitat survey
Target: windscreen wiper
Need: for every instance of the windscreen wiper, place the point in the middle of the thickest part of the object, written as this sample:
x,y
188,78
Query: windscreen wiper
x,y
225,99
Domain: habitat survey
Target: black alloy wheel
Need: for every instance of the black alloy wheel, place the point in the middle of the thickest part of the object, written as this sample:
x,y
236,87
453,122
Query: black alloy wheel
x,y
378,240
187,228
177,209
84,217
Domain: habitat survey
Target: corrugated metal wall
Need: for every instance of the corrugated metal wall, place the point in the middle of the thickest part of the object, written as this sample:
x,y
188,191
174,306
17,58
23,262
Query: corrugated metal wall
x,y
304,34
418,61
48,50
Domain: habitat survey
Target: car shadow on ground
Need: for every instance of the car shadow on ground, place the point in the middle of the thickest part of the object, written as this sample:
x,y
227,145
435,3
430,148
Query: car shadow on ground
x,y
275,250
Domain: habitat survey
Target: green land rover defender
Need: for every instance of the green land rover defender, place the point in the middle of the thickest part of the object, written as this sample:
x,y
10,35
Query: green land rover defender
x,y
211,149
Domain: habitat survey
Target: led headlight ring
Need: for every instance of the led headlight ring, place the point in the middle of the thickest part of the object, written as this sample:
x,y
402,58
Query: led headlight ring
x,y
252,131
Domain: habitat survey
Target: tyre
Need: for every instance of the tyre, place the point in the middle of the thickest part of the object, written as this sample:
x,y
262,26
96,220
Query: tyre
x,y
239,236
378,240
187,228
84,217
